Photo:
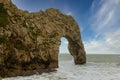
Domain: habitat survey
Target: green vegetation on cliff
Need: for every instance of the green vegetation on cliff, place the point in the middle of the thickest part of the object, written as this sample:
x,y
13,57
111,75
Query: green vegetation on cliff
x,y
3,39
3,16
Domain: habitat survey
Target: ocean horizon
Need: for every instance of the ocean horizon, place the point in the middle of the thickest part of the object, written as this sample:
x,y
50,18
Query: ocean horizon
x,y
98,67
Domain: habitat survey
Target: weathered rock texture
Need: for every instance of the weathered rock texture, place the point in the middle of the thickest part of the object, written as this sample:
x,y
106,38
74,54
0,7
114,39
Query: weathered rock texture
x,y
30,41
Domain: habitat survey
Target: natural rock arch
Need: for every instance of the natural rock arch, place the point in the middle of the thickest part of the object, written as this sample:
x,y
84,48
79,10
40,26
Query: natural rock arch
x,y
76,49
30,41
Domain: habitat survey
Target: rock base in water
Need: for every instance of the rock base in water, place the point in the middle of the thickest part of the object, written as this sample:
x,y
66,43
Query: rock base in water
x,y
14,72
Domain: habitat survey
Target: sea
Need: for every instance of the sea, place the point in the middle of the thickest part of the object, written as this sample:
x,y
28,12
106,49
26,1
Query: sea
x,y
98,67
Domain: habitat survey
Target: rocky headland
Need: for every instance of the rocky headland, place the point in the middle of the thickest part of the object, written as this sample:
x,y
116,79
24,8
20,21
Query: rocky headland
x,y
29,42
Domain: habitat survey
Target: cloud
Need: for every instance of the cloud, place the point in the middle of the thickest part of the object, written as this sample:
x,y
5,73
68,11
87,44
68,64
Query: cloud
x,y
64,46
113,39
67,10
95,47
105,22
69,13
64,41
101,47
106,15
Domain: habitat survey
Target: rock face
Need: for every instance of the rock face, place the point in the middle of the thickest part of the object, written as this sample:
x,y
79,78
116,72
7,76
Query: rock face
x,y
30,41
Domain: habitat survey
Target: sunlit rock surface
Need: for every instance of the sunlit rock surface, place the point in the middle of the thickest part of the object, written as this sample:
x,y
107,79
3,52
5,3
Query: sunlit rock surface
x,y
29,42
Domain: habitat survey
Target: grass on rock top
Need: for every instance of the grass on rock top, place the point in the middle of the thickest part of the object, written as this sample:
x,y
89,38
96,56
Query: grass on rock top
x,y
3,16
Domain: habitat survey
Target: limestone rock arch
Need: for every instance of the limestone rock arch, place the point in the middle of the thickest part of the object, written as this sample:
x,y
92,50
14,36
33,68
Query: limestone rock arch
x,y
30,41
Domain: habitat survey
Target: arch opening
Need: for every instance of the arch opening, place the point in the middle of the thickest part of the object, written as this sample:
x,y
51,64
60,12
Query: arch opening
x,y
64,46
64,53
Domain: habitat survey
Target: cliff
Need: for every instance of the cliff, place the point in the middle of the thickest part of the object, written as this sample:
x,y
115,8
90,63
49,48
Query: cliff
x,y
29,42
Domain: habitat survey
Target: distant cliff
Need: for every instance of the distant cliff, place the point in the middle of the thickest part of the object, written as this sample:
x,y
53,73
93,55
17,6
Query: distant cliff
x,y
30,41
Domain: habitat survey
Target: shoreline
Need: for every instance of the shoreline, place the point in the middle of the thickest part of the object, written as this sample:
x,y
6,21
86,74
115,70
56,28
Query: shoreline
x,y
14,73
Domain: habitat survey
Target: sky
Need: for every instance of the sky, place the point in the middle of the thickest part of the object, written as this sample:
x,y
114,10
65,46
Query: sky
x,y
99,21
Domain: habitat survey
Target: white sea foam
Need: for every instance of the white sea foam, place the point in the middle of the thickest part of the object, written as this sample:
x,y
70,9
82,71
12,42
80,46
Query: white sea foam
x,y
89,71
69,71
